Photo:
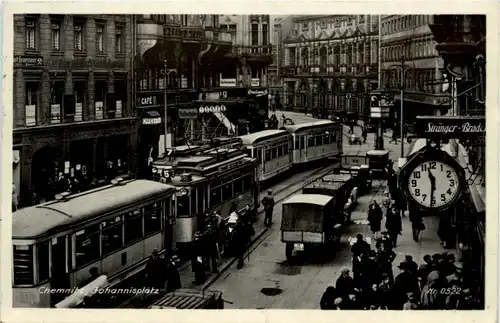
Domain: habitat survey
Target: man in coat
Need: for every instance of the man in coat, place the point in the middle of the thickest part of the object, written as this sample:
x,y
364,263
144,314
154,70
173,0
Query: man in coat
x,y
173,275
375,218
406,282
268,204
155,271
393,225
344,284
240,240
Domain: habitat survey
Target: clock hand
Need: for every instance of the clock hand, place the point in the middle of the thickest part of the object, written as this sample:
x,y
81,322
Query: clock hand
x,y
433,185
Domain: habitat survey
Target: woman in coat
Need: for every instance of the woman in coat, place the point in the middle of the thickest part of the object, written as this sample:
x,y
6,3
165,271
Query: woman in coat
x,y
375,218
393,225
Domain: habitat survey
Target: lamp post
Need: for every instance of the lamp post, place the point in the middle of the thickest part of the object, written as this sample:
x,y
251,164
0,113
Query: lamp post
x,y
165,108
401,116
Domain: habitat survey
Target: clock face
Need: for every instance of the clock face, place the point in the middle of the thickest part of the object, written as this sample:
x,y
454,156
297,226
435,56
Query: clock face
x,y
433,184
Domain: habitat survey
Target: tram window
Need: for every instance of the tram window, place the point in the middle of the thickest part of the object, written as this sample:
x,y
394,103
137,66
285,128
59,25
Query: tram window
x,y
227,189
297,143
259,154
302,142
152,218
247,182
193,201
42,250
202,196
274,153
248,151
333,137
23,265
238,186
268,155
285,149
215,196
310,141
112,235
133,226
280,150
326,139
87,245
319,140
183,206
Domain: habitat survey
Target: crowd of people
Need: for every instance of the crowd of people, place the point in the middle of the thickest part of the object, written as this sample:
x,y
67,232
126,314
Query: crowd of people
x,y
437,283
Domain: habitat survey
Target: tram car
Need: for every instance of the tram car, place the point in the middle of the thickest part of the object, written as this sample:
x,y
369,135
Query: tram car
x,y
315,141
272,149
111,230
222,180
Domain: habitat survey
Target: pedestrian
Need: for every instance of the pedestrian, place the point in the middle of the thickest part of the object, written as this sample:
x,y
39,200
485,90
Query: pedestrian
x,y
328,299
240,240
411,303
173,275
385,257
15,199
344,284
393,225
364,134
352,302
268,204
385,291
406,282
351,126
372,297
417,224
375,219
394,138
429,299
211,245
338,303
424,270
372,272
197,265
250,214
155,271
411,264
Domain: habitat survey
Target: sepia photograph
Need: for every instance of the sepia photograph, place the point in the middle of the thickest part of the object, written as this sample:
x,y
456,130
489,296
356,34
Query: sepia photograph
x,y
258,161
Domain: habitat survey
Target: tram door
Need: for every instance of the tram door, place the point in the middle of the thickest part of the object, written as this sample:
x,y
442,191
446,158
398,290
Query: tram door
x,y
60,276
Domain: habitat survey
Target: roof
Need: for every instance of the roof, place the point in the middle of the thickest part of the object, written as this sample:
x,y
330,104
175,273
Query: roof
x,y
256,137
38,220
310,125
309,199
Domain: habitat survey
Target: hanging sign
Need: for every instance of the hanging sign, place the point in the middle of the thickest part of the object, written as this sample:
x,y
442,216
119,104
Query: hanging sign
x,y
450,127
212,108
188,113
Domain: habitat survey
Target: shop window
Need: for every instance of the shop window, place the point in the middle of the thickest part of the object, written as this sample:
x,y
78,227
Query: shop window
x,y
31,34
99,39
133,226
183,206
56,35
215,196
87,245
121,98
152,218
32,97
119,39
56,101
112,235
42,250
78,36
23,265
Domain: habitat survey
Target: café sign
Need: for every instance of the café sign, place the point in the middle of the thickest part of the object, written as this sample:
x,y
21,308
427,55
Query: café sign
x,y
450,127
147,100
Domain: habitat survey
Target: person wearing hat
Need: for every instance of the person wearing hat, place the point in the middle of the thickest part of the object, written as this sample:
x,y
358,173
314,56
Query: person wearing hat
x,y
344,284
424,270
173,275
393,225
405,282
155,271
328,299
455,286
197,265
268,204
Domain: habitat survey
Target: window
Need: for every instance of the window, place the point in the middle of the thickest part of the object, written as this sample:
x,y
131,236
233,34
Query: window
x,y
274,152
183,206
43,261
265,35
215,196
184,20
99,97
119,39
152,218
268,155
112,235
247,182
133,226
227,188
310,141
232,29
100,38
78,36
56,36
255,34
31,103
238,186
305,26
259,155
23,265
56,101
87,245
31,34
193,201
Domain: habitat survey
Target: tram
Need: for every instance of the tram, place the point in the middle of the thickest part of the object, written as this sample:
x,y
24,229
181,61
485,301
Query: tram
x,y
218,179
272,149
315,140
111,230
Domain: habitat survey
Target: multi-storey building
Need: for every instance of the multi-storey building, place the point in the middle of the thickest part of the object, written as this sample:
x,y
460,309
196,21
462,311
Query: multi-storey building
x,y
282,25
73,117
407,42
178,57
331,62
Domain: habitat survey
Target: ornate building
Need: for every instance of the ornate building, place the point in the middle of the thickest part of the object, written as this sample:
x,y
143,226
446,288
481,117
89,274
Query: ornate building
x,y
73,118
408,40
331,62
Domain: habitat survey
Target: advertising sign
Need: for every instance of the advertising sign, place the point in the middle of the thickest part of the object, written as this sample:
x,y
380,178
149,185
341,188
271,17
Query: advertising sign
x,y
255,82
227,82
188,113
450,127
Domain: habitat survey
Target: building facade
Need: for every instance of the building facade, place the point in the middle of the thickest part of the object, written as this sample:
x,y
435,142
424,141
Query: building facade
x,y
74,124
406,40
282,26
461,41
331,62
177,58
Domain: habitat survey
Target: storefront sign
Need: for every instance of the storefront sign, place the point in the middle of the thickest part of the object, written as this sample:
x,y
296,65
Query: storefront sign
x,y
255,82
212,109
188,113
450,127
147,100
227,82
28,61
257,92
151,121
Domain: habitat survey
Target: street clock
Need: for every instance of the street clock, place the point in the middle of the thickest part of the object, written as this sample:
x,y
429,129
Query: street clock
x,y
432,180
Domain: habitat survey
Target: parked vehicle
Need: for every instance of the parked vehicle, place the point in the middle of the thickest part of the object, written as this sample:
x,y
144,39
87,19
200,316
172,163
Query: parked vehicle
x,y
378,160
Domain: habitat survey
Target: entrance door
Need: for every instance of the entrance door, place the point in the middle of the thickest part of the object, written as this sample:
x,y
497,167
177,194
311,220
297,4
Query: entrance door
x,y
60,275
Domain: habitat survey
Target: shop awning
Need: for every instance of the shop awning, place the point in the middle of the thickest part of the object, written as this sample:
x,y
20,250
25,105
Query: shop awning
x,y
151,117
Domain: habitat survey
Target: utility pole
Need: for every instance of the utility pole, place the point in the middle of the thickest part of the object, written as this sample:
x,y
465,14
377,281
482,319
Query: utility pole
x,y
401,126
165,113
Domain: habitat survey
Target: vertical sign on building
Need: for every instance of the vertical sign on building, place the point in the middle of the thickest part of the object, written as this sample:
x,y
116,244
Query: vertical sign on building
x,y
99,107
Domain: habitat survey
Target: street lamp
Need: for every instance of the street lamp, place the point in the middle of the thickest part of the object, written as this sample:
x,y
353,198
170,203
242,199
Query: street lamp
x,y
165,75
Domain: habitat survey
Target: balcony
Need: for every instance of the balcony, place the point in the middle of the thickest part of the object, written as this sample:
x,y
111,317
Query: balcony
x,y
330,70
190,34
262,54
171,31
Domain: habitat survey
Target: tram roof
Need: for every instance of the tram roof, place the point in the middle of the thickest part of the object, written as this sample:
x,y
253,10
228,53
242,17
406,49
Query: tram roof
x,y
317,199
309,125
36,220
255,137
